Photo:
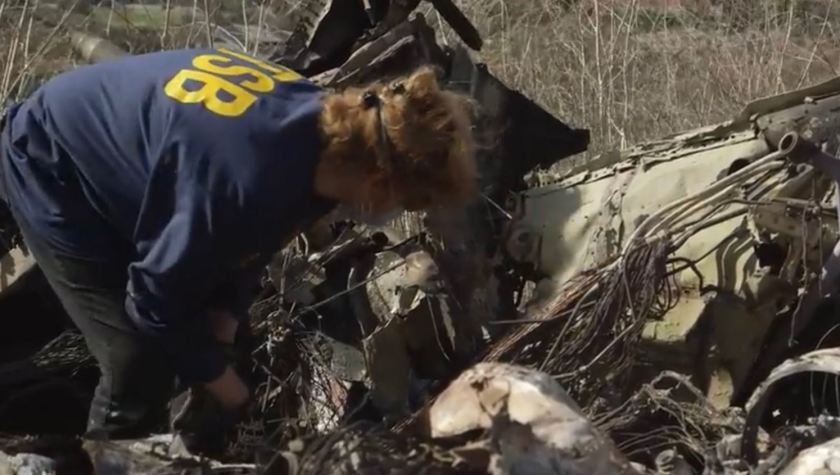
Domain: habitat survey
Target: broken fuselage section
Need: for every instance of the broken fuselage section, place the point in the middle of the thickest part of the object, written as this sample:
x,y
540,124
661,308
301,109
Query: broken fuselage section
x,y
745,265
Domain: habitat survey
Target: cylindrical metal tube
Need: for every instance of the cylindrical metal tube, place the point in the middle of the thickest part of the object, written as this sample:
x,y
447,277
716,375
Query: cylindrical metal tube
x,y
95,49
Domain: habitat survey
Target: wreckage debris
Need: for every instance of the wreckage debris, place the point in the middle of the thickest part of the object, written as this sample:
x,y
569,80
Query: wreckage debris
x,y
26,464
610,318
529,424
823,459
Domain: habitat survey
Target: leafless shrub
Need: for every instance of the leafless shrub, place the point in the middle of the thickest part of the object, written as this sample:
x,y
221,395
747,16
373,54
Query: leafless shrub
x,y
35,35
629,70
634,70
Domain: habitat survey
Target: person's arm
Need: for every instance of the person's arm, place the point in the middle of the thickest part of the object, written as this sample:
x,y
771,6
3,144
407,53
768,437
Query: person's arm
x,y
187,236
235,294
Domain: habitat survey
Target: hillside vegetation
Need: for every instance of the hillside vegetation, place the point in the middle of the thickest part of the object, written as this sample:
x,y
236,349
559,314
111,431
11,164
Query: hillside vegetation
x,y
633,70
630,70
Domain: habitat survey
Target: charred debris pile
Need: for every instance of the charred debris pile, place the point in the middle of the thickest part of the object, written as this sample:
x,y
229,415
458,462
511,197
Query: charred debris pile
x,y
665,309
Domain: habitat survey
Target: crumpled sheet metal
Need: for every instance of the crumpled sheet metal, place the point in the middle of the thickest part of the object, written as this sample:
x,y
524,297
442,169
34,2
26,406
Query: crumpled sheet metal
x,y
297,279
365,448
555,226
670,462
564,229
763,110
331,368
823,459
820,361
14,265
830,166
535,426
396,52
327,31
389,366
399,286
161,454
824,228
26,464
411,294
342,360
577,224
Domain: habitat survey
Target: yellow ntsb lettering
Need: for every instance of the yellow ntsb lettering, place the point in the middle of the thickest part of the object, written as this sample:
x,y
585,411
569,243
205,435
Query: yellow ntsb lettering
x,y
216,88
208,93
260,83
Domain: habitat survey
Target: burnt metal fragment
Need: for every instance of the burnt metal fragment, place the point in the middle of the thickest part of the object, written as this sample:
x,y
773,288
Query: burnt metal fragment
x,y
821,361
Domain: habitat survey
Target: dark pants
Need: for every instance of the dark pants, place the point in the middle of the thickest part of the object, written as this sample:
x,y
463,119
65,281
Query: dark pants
x,y
136,382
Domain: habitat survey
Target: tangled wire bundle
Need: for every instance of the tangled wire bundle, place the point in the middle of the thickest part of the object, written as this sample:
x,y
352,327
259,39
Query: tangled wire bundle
x,y
586,335
668,413
368,448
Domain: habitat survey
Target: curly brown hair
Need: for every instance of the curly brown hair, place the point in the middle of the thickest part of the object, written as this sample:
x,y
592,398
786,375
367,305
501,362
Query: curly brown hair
x,y
411,130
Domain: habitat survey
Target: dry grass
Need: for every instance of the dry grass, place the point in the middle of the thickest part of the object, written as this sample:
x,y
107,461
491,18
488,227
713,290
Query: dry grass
x,y
631,71
35,34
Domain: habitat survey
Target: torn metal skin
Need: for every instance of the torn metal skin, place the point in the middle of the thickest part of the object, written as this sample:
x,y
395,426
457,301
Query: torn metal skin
x,y
533,425
738,276
823,361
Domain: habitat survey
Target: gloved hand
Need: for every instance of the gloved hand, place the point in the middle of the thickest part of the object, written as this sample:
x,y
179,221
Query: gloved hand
x,y
233,335
204,425
205,415
228,390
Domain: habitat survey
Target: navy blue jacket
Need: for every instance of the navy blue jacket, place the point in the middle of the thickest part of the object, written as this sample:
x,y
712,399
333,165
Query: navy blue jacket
x,y
202,161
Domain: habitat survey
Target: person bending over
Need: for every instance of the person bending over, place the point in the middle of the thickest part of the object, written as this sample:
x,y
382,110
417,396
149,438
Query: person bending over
x,y
152,190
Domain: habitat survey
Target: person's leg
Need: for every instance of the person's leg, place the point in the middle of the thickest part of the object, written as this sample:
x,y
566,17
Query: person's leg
x,y
136,382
